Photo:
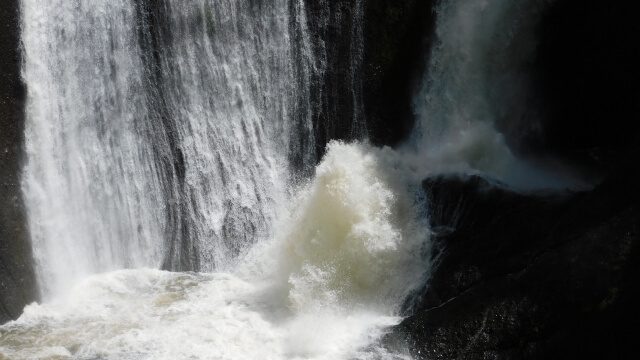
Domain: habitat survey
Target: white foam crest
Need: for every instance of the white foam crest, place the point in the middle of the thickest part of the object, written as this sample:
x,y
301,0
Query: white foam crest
x,y
354,239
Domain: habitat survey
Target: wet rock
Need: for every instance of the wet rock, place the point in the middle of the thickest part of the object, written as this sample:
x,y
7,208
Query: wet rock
x,y
372,55
587,79
17,280
529,276
398,37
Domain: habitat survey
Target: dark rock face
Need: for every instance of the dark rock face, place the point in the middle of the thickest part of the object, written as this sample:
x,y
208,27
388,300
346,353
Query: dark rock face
x,y
587,80
397,40
373,54
17,279
332,28
530,276
547,275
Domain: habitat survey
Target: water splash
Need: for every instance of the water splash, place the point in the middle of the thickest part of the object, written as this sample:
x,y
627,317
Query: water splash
x,y
327,286
355,237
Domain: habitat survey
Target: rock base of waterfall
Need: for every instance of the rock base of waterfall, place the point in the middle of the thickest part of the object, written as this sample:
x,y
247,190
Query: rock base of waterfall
x,y
529,276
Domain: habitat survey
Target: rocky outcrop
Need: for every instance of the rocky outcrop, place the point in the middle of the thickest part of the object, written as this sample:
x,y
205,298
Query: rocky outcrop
x,y
17,280
529,276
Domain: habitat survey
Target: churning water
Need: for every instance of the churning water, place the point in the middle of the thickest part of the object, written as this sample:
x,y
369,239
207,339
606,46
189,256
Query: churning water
x,y
325,286
162,135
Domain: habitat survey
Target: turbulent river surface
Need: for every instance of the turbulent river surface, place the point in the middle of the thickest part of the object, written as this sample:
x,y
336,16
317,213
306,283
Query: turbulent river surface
x,y
325,287
177,135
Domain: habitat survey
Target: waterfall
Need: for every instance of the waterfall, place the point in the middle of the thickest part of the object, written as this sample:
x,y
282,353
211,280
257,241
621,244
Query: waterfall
x,y
179,135
174,135
477,88
159,134
94,188
229,77
327,285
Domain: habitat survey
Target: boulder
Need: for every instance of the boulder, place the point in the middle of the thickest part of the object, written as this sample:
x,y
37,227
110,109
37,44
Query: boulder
x,y
529,276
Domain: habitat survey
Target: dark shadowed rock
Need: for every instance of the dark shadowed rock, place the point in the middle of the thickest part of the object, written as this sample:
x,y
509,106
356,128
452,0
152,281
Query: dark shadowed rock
x,y
587,79
398,36
332,29
547,275
373,54
17,280
530,276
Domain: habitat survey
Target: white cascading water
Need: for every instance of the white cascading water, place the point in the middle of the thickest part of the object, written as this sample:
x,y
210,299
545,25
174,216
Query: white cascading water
x,y
231,81
180,158
186,162
95,196
128,168
326,286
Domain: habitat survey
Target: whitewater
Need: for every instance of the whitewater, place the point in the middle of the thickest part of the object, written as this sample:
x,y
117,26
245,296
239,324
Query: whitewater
x,y
179,139
326,287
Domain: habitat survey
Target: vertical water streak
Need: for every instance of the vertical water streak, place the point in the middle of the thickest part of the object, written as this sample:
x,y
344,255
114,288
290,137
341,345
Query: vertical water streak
x,y
161,132
337,46
302,147
94,193
356,60
477,82
232,85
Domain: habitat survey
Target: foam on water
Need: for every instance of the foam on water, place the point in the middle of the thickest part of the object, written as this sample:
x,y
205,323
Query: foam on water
x,y
148,314
325,287
151,314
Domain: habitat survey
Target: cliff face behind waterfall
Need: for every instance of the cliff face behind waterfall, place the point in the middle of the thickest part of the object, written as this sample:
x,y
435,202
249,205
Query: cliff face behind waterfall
x,y
374,54
17,283
533,275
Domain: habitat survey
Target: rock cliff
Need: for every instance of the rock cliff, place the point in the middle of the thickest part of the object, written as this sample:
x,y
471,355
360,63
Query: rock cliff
x,y
17,280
